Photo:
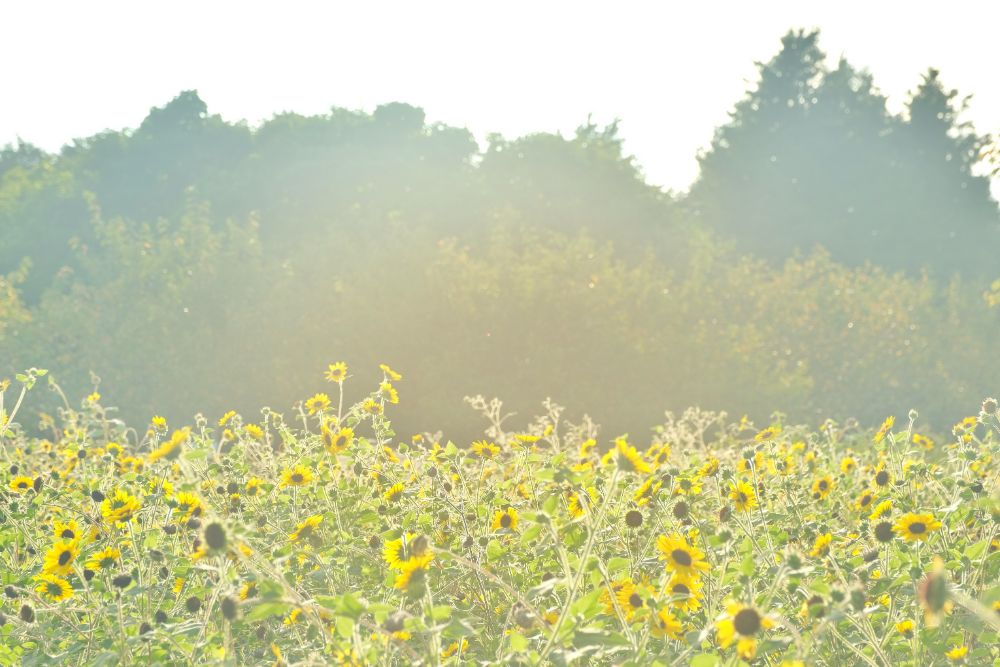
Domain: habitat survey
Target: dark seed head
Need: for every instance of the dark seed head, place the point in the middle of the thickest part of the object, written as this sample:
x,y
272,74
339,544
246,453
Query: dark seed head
x,y
170,529
193,604
747,622
194,523
122,580
10,592
27,614
883,531
215,536
681,510
97,496
38,484
681,557
88,574
160,616
375,542
633,518
230,608
882,478
144,628
232,488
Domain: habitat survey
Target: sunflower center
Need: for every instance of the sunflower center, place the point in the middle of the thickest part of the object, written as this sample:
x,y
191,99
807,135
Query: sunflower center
x,y
742,497
681,557
747,622
823,484
635,600
865,500
882,478
297,478
681,589
67,534
505,521
54,589
918,527
65,557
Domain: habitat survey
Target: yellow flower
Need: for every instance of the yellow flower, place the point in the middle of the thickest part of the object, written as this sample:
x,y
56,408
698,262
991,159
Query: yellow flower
x,y
881,510
159,423
884,429
372,407
916,527
119,507
336,372
685,592
882,476
305,529
848,465
188,505
710,467
821,487
171,448
923,441
687,486
94,397
627,458
769,433
53,588
865,500
66,530
505,519
391,374
224,419
455,647
680,556
253,486
412,574
59,558
317,403
336,441
20,484
821,546
743,495
104,559
393,493
742,623
253,431
957,652
646,491
389,393
411,547
905,628
665,624
611,595
297,476
575,503
486,450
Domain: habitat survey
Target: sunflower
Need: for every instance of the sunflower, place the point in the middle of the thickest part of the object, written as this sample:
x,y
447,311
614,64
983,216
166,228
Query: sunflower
x,y
577,504
505,519
372,407
297,476
821,546
66,530
120,507
884,428
224,419
957,652
881,510
658,454
305,529
665,624
393,493
923,441
411,576
743,495
253,431
188,505
388,392
821,487
646,491
337,441
409,548
785,465
629,602
685,592
20,484
455,647
687,486
865,500
627,458
104,559
336,372
485,450
741,623
613,593
317,403
248,590
905,628
916,527
882,476
389,373
59,558
680,556
848,465
53,588
710,467
253,486
768,434
171,448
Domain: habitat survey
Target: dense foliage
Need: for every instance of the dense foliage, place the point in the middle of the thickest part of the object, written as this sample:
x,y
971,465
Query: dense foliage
x,y
323,537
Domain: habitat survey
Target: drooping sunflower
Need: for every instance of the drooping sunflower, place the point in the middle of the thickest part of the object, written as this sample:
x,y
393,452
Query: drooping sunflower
x,y
171,448
884,428
821,487
389,373
53,587
118,508
742,623
916,527
743,495
685,592
627,458
20,484
59,558
821,546
646,491
411,576
710,467
681,557
768,434
388,392
336,372
337,441
296,476
505,519
317,403
394,493
665,624
883,509
305,529
104,559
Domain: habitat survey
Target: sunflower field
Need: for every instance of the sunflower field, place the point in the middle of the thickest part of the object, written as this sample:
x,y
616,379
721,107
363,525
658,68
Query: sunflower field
x,y
321,536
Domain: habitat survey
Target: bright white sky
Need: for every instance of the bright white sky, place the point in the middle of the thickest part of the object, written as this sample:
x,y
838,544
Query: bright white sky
x,y
669,70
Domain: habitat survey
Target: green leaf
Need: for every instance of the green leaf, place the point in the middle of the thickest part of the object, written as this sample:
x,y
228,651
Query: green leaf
x,y
705,660
267,609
